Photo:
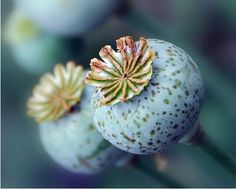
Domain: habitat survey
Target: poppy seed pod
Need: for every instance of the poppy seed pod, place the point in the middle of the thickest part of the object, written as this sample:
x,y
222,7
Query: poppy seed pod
x,y
34,50
60,104
149,94
68,17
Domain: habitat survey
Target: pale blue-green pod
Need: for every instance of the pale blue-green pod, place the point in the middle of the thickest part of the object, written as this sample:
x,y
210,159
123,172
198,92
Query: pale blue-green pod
x,y
34,50
74,143
60,104
165,111
68,17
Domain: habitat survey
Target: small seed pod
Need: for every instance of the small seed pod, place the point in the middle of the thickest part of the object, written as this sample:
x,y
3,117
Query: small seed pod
x,y
68,17
149,94
60,104
35,51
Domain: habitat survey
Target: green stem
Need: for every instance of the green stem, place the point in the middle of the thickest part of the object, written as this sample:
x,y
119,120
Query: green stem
x,y
207,145
158,175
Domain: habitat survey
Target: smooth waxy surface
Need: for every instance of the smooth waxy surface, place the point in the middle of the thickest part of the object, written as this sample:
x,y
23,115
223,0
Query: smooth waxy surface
x,y
19,28
34,50
68,17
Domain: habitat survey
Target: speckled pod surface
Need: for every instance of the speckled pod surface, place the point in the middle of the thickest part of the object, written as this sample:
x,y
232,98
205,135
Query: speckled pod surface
x,y
74,143
163,112
68,17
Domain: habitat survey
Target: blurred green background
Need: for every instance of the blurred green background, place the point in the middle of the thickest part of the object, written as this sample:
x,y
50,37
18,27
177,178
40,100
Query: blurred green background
x,y
206,29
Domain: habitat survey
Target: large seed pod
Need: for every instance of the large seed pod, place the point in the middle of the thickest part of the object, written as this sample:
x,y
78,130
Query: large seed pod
x,y
60,104
156,117
74,142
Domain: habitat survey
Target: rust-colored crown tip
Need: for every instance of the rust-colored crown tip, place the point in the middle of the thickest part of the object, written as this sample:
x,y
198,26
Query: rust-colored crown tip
x,y
124,73
56,93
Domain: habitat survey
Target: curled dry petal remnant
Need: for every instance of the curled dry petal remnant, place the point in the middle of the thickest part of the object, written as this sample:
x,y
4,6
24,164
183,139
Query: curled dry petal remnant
x,y
56,93
122,74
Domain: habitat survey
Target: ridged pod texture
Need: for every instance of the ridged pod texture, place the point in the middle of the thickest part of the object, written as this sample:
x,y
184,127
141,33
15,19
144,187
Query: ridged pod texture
x,y
75,144
163,112
56,93
124,73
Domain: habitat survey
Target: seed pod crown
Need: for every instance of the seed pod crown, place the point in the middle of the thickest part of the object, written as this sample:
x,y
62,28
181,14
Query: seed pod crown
x,y
56,93
124,73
